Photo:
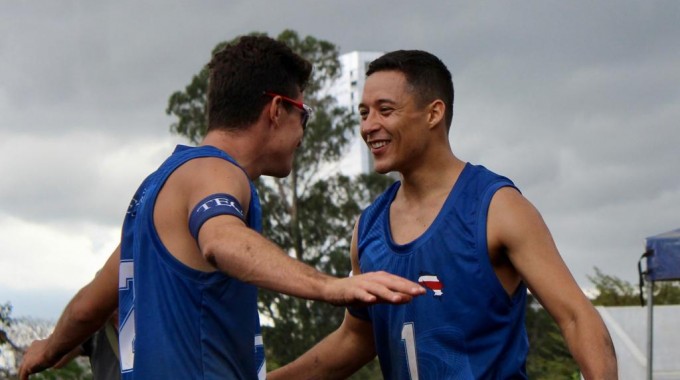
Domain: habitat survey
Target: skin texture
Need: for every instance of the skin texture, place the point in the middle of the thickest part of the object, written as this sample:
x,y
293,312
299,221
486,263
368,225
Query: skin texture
x,y
413,140
224,243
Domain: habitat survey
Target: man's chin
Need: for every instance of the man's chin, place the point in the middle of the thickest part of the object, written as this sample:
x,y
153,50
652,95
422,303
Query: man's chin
x,y
283,173
381,169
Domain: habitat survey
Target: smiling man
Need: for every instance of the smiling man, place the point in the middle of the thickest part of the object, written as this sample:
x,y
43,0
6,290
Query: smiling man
x,y
462,231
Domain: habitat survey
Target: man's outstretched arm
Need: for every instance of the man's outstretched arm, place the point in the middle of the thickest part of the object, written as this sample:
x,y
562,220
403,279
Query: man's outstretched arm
x,y
530,247
227,244
84,314
244,254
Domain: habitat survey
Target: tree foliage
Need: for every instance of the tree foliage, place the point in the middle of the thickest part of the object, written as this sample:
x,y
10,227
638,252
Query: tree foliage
x,y
5,323
309,215
612,291
5,318
549,357
75,370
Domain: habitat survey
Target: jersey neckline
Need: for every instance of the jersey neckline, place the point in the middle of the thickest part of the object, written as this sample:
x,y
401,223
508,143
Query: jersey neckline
x,y
425,236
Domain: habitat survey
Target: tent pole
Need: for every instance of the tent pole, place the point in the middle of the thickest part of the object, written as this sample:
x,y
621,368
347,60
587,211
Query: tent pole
x,y
650,328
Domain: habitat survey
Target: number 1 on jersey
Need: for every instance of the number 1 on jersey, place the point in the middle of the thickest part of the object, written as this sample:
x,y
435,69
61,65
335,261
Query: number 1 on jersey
x,y
408,336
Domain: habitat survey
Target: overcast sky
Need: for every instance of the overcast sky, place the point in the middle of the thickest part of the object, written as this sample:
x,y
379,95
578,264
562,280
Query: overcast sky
x,y
577,102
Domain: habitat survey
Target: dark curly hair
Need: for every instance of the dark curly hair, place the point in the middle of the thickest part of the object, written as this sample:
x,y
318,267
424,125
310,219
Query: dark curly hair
x,y
426,75
241,72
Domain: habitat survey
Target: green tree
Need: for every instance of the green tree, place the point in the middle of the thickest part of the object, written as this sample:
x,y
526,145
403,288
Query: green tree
x,y
5,322
549,358
78,369
311,217
75,370
612,291
5,341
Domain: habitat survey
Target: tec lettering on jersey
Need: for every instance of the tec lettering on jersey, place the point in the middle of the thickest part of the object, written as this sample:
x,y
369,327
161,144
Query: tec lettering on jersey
x,y
432,282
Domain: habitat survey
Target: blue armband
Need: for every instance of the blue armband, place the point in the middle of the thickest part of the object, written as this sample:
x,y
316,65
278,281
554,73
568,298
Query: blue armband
x,y
213,205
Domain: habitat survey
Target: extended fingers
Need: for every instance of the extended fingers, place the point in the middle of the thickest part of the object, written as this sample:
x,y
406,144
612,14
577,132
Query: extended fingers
x,y
31,362
399,284
385,287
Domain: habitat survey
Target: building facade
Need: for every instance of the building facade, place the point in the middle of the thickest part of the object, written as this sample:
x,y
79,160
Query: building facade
x,y
347,90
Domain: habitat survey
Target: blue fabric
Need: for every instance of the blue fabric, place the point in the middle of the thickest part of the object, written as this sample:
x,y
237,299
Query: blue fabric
x,y
664,261
177,322
212,206
466,326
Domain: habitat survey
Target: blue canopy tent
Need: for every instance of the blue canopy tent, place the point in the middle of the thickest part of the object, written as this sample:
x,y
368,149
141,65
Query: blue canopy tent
x,y
662,256
663,260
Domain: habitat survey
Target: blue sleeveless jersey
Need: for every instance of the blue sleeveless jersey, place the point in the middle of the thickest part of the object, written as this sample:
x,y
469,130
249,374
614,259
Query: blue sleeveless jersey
x,y
466,326
177,322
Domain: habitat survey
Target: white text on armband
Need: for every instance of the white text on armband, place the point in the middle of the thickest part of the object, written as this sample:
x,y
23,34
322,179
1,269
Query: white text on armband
x,y
211,206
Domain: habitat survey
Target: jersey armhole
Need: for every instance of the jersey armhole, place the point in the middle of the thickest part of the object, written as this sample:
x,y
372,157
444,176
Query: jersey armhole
x,y
482,241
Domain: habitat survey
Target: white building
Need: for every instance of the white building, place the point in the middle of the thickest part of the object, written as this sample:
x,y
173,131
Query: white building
x,y
347,91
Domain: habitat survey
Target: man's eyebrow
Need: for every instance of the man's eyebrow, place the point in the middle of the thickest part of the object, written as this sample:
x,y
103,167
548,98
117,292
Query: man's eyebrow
x,y
378,102
386,101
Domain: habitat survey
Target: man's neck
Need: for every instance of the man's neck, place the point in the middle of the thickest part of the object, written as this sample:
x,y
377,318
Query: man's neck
x,y
239,146
434,178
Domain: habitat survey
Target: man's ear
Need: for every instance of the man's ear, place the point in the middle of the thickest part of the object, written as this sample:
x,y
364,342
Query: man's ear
x,y
436,111
274,110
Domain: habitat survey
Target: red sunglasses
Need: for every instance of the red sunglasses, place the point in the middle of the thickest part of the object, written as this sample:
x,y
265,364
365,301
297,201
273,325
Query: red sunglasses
x,y
306,110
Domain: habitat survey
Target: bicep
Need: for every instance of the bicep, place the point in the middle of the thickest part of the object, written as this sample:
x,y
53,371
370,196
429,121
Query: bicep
x,y
218,199
517,226
105,284
99,299
211,176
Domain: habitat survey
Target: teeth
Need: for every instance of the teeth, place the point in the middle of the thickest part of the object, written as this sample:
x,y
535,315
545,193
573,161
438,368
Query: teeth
x,y
379,144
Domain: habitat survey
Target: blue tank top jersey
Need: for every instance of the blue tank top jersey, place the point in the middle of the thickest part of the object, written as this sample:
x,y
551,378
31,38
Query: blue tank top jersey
x,y
177,322
466,326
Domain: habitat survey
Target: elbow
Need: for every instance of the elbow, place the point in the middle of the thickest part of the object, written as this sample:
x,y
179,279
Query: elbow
x,y
228,254
209,253
83,312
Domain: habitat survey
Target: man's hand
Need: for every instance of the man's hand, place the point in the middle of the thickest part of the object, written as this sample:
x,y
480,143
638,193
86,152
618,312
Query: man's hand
x,y
35,359
63,362
371,288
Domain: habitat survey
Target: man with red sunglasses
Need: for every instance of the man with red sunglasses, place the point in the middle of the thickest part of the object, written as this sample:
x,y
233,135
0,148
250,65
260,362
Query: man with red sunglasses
x,y
191,257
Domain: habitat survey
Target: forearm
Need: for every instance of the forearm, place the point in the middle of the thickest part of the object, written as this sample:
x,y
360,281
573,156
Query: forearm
x,y
338,356
244,254
86,312
255,260
77,323
591,346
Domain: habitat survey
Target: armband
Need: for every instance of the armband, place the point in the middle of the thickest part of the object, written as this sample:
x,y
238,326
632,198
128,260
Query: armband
x,y
211,206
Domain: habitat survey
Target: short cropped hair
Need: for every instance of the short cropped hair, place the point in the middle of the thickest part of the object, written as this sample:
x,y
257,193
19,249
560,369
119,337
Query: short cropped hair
x,y
426,75
243,71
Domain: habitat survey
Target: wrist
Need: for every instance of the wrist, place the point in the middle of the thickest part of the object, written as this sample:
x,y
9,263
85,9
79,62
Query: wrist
x,y
327,289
